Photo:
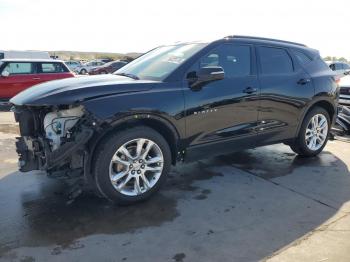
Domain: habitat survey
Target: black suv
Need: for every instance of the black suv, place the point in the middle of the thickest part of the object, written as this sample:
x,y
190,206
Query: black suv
x,y
182,102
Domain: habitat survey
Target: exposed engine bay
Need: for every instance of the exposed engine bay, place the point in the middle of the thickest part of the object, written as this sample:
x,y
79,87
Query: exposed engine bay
x,y
52,138
57,125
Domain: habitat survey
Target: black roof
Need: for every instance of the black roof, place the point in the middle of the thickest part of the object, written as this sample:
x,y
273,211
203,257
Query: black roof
x,y
274,42
263,39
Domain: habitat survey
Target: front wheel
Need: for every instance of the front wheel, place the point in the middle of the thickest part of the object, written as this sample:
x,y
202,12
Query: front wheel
x,y
313,134
131,165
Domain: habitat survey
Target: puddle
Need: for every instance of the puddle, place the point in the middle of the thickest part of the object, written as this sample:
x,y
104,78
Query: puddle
x,y
41,216
273,161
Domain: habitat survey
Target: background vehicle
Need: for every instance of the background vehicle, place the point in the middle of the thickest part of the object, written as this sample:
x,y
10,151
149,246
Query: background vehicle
x,y
24,54
340,68
73,65
17,75
85,68
105,60
342,124
107,68
344,97
181,102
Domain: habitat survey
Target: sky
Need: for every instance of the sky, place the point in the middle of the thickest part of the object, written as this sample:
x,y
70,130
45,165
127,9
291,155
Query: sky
x,y
137,26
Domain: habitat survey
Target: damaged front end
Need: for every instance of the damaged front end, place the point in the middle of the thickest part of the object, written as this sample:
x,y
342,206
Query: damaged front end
x,y
53,139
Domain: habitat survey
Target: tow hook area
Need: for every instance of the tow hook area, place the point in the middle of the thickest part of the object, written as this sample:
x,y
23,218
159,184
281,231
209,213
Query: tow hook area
x,y
35,154
27,159
68,149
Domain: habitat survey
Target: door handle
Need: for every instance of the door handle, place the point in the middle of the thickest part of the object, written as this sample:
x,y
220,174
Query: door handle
x,y
250,90
36,78
304,81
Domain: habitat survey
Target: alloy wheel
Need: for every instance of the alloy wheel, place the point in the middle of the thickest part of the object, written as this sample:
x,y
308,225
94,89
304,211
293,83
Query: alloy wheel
x,y
136,167
316,132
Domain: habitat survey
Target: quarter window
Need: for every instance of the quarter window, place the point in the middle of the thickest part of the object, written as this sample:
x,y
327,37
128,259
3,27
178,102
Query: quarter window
x,y
302,58
19,68
275,61
234,59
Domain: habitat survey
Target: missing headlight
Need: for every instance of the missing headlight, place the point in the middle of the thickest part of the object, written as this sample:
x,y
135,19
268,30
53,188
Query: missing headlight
x,y
57,125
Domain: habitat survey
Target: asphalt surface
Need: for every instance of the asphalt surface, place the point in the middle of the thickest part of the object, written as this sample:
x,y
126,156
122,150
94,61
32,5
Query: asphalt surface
x,y
261,204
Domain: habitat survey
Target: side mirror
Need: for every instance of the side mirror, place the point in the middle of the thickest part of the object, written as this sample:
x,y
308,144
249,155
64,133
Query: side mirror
x,y
205,75
5,73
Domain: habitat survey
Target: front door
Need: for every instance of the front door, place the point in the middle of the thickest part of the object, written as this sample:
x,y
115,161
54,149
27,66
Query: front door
x,y
224,110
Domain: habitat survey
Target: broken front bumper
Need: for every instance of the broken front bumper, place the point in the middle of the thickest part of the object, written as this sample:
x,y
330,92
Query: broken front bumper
x,y
35,154
34,148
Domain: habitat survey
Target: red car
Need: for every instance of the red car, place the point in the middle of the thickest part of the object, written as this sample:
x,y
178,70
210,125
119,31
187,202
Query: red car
x,y
108,68
17,75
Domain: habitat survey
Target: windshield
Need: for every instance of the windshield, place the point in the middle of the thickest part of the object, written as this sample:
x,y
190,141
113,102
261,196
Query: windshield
x,y
160,62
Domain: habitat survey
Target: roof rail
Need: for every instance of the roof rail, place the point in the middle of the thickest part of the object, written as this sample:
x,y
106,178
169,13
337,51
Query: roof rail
x,y
263,38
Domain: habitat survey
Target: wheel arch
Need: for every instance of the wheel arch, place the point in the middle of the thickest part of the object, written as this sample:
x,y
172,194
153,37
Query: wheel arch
x,y
325,104
159,124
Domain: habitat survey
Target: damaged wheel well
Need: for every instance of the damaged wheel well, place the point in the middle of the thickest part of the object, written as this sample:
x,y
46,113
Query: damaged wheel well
x,y
158,124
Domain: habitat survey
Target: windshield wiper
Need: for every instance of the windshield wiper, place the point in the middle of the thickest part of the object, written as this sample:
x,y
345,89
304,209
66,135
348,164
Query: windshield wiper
x,y
129,75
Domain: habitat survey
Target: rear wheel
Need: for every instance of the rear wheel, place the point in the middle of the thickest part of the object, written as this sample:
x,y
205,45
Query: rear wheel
x,y
313,134
83,72
131,165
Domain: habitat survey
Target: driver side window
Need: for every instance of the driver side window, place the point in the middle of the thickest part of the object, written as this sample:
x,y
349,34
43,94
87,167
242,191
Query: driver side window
x,y
234,59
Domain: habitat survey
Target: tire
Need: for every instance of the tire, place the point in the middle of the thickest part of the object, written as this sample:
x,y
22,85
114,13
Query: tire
x,y
104,170
103,72
303,145
83,72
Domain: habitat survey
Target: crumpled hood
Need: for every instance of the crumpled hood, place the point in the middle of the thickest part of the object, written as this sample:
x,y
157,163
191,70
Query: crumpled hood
x,y
72,90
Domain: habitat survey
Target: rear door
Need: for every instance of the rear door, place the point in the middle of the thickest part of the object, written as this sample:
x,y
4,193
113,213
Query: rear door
x,y
52,71
285,90
22,75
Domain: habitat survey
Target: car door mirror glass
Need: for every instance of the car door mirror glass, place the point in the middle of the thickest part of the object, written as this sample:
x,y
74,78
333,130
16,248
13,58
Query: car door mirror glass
x,y
205,75
5,73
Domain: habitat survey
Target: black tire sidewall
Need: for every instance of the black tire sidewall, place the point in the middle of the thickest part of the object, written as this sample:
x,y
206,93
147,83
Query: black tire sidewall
x,y
107,149
301,143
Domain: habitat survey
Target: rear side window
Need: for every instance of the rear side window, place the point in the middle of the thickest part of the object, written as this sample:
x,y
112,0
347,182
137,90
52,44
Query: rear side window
x,y
19,68
234,59
47,68
301,57
275,61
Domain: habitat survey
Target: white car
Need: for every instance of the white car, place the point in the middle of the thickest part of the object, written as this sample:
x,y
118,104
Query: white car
x,y
344,98
340,68
72,64
85,68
